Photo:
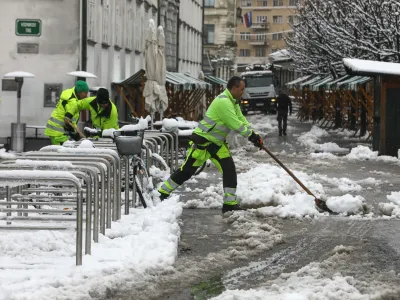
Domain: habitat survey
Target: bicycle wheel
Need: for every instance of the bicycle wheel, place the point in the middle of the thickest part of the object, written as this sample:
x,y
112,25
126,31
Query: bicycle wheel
x,y
143,183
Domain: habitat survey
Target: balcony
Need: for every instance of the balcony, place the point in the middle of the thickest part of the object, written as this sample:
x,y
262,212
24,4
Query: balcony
x,y
257,41
262,25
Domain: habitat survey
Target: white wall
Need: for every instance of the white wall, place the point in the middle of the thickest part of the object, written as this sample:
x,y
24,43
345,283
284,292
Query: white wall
x,y
58,54
114,49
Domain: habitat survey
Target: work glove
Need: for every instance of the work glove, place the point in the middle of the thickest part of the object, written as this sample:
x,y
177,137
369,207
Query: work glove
x,y
256,140
68,127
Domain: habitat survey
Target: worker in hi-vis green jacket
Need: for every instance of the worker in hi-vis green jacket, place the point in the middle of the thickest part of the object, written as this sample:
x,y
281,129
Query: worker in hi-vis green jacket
x,y
103,112
208,141
56,128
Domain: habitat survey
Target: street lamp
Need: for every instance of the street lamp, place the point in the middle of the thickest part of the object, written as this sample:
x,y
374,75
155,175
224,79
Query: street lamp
x,y
18,129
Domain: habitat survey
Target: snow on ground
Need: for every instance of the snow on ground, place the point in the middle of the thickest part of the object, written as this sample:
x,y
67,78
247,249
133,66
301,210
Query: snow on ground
x,y
315,281
41,265
310,140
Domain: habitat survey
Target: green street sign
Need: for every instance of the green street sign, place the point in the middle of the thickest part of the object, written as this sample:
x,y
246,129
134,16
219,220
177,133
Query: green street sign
x,y
29,27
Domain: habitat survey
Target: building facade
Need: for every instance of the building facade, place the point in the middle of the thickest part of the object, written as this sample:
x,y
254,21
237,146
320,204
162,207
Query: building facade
x,y
190,37
270,22
220,21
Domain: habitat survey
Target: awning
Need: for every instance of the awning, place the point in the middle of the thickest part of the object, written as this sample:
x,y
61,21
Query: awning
x,y
133,80
298,80
315,79
334,82
315,86
347,82
187,82
355,84
215,81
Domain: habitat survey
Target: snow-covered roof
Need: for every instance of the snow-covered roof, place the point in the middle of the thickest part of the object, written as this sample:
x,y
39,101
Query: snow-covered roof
x,y
370,67
281,55
315,86
255,73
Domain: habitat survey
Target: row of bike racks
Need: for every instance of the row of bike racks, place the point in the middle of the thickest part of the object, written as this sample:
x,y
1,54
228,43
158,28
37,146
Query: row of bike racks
x,y
50,188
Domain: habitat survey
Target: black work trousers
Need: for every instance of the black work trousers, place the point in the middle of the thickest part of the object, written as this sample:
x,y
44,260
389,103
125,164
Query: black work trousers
x,y
282,117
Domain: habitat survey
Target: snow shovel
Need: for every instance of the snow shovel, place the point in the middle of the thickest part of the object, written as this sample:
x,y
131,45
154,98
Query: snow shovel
x,y
75,128
321,205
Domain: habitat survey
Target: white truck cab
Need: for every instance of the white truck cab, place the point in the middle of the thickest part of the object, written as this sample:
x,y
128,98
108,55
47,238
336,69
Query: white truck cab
x,y
259,94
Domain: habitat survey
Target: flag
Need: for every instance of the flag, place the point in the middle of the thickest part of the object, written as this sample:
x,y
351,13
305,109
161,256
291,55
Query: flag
x,y
248,19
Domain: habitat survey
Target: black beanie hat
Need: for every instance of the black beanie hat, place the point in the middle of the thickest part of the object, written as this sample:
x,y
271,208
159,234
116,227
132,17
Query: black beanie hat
x,y
102,97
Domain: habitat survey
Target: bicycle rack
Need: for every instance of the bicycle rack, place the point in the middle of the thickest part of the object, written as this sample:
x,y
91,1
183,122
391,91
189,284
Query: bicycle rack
x,y
10,178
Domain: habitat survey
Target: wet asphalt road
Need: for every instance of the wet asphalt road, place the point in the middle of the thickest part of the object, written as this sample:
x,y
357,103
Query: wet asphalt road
x,y
215,253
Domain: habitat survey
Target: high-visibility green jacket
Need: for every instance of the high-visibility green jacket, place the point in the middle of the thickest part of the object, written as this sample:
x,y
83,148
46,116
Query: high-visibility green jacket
x,y
101,119
67,104
223,115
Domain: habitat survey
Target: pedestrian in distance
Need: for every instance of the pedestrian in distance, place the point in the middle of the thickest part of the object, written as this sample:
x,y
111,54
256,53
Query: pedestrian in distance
x,y
283,105
208,141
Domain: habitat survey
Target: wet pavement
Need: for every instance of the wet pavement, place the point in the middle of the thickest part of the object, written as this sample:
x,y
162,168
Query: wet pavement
x,y
217,253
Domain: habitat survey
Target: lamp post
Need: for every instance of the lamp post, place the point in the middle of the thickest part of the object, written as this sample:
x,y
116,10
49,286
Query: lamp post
x,y
18,129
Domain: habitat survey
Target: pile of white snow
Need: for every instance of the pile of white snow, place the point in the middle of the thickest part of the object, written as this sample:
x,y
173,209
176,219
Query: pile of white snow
x,y
41,265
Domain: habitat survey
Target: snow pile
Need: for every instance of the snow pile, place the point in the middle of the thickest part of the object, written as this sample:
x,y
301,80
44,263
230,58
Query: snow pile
x,y
310,140
393,207
277,190
362,153
107,133
170,125
346,204
41,265
6,155
142,125
86,144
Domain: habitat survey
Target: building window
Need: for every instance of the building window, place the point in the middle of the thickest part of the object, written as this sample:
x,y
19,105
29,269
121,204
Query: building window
x,y
118,22
277,19
261,37
245,3
129,26
91,20
209,3
291,34
277,36
106,21
278,2
261,19
138,31
261,52
244,52
292,2
264,3
209,33
245,36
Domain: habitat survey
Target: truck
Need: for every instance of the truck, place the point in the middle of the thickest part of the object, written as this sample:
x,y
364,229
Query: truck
x,y
259,94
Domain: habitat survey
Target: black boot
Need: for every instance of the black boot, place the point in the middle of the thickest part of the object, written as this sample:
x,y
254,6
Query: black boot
x,y
284,133
163,196
280,133
226,208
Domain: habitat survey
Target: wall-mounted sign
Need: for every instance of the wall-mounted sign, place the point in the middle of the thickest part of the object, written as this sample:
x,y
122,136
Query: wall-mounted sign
x,y
28,27
30,48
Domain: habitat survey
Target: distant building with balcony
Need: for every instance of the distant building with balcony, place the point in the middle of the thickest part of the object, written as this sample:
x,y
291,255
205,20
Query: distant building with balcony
x,y
271,22
219,45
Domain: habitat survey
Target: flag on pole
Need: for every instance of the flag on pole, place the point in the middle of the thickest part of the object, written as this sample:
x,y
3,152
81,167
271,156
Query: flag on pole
x,y
248,19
